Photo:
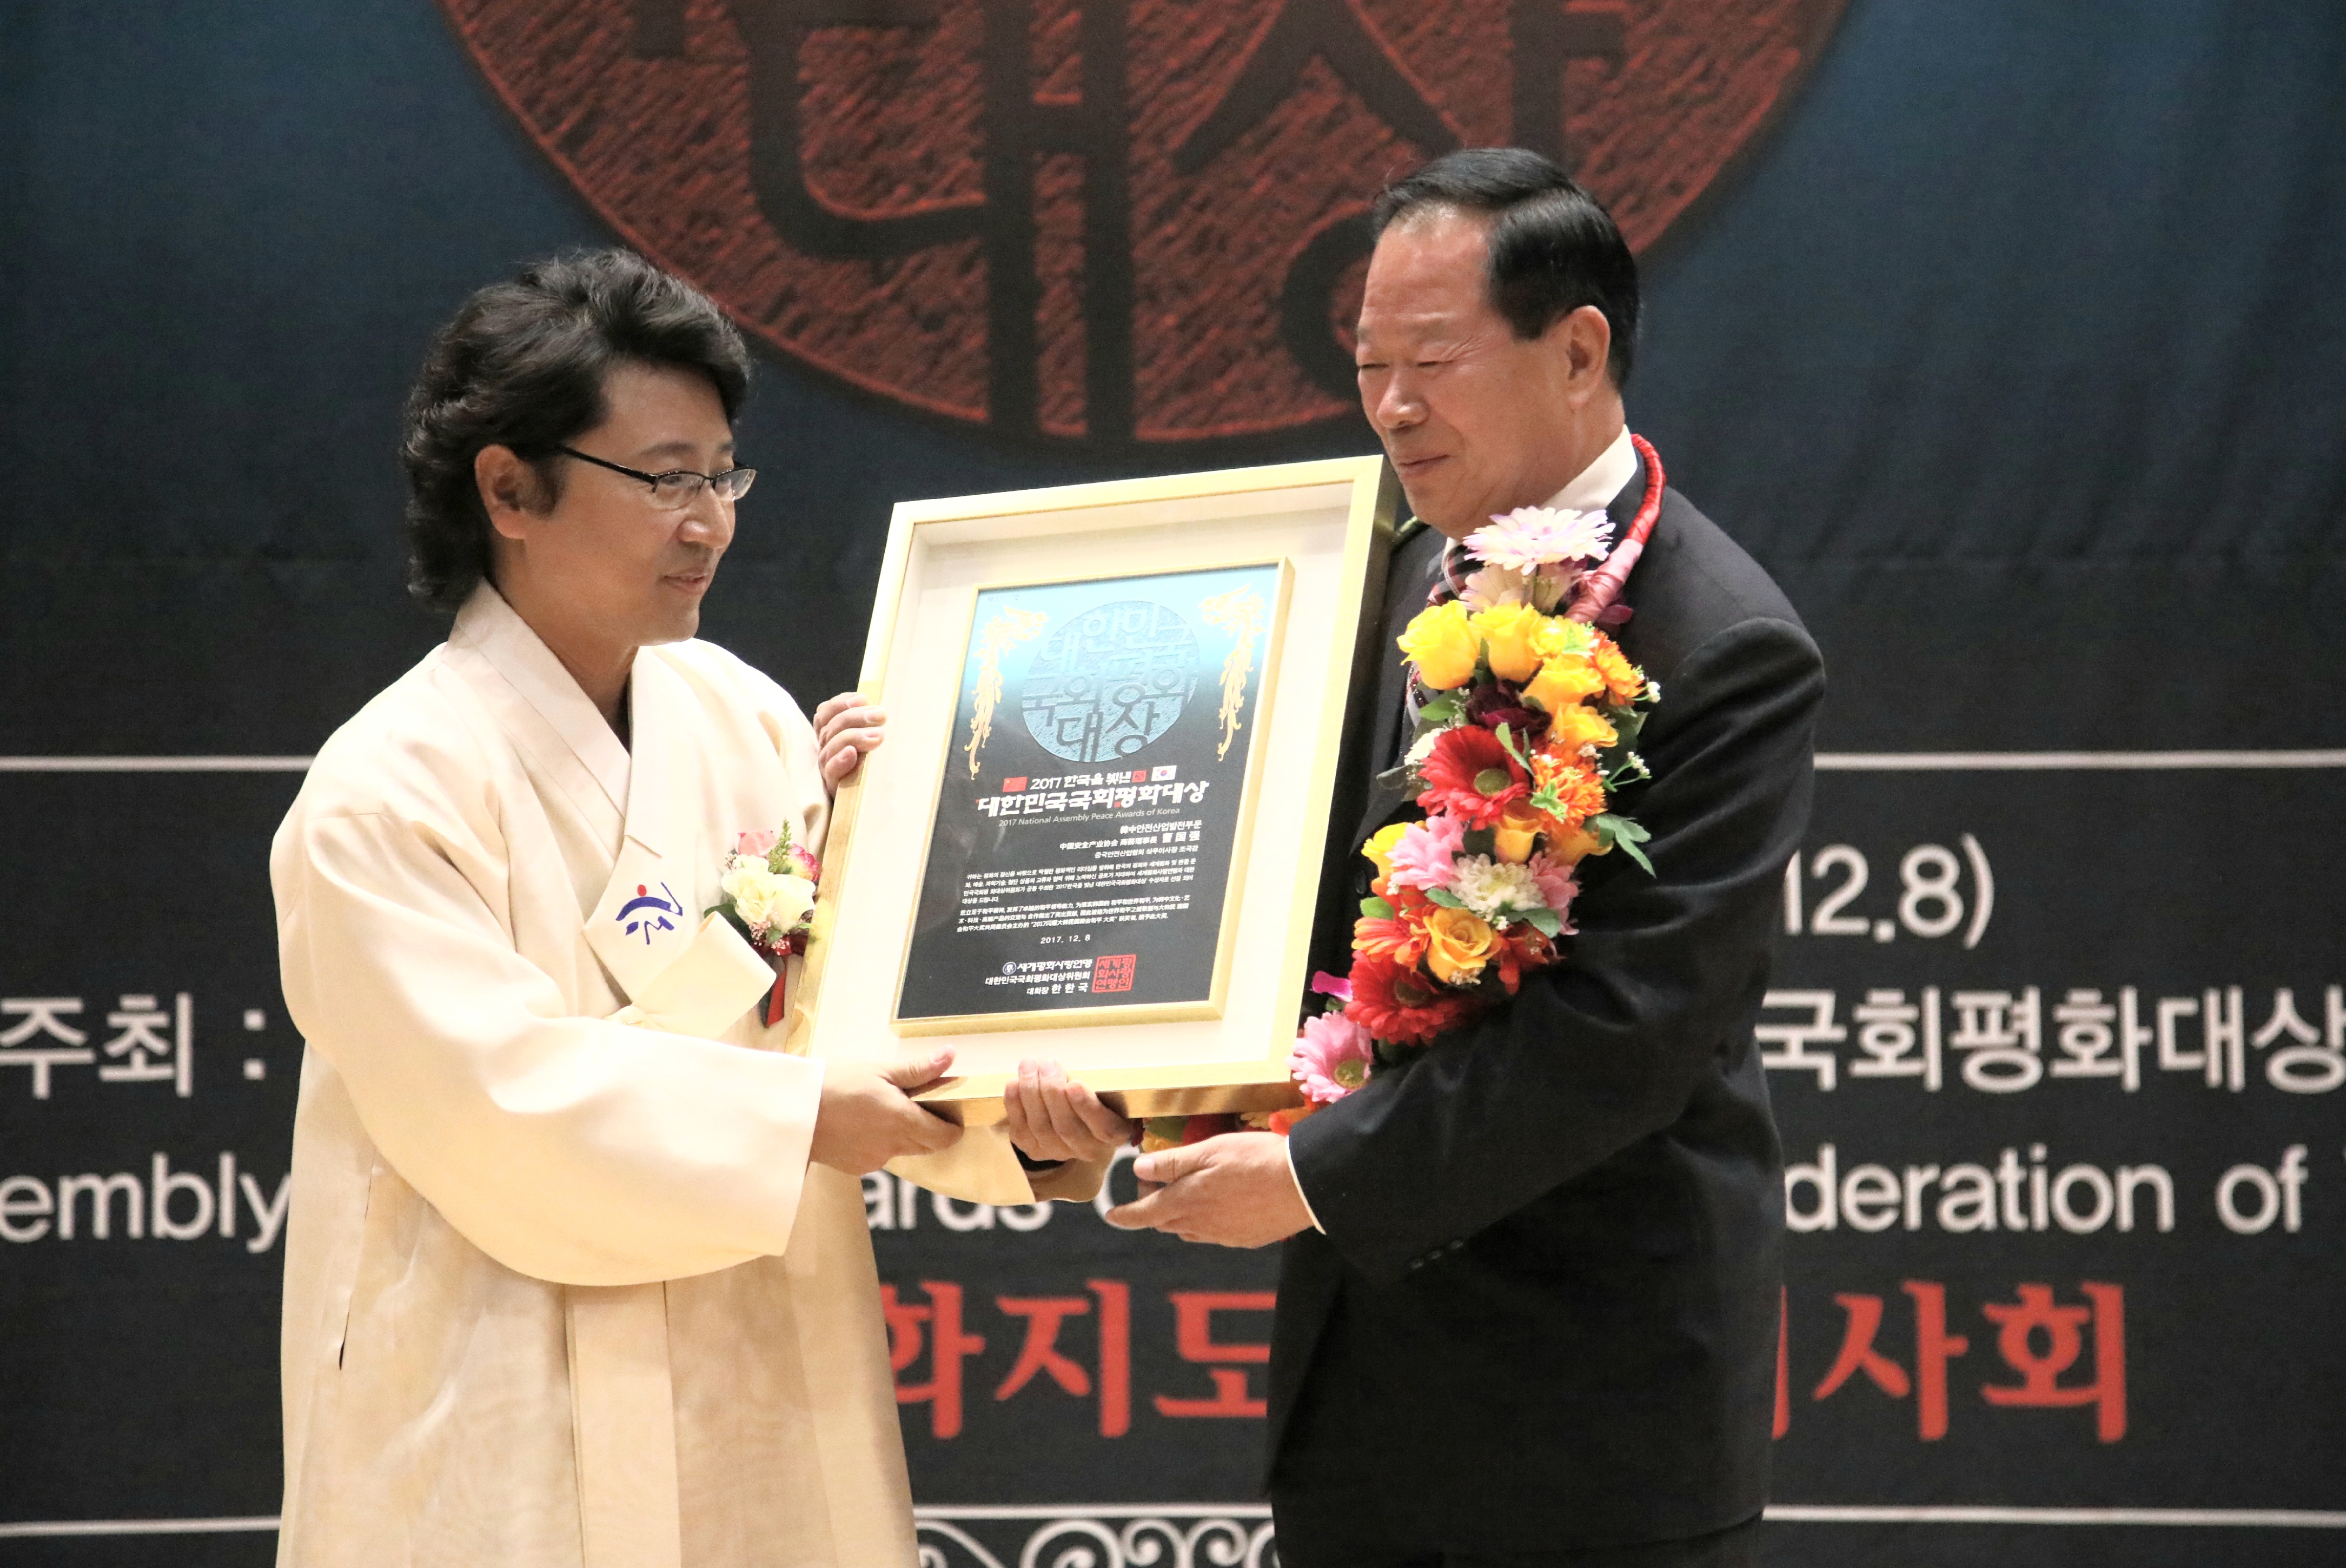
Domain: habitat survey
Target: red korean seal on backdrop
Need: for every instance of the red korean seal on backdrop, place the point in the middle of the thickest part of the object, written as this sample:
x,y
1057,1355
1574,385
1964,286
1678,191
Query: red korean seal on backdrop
x,y
1111,222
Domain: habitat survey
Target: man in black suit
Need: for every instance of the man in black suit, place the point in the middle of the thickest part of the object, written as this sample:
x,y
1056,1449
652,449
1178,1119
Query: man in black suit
x,y
1528,1310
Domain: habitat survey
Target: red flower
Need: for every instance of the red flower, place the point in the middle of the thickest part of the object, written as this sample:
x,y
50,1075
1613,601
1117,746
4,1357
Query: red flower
x,y
1470,775
1212,1124
1522,949
1409,901
1402,1005
1491,706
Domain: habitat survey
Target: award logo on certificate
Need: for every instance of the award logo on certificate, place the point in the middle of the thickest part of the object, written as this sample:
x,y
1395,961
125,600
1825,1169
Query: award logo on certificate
x,y
1115,720
1095,804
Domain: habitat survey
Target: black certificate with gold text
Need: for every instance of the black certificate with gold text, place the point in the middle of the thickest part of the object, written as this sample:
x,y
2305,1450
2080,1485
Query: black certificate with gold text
x,y
1089,833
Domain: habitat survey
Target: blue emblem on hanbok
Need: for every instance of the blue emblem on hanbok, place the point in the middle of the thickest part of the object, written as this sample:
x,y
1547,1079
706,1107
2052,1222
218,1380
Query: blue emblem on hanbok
x,y
646,913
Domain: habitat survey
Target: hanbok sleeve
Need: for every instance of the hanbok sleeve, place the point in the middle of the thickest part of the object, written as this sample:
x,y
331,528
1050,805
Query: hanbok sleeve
x,y
984,1167
574,1149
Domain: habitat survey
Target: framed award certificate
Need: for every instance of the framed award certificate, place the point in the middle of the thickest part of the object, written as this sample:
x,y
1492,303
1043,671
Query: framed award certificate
x,y
1096,830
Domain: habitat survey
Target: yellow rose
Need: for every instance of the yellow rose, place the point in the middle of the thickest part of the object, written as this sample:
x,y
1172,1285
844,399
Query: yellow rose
x,y
1458,945
1578,726
1443,646
1519,825
1562,683
1506,631
1560,637
1380,849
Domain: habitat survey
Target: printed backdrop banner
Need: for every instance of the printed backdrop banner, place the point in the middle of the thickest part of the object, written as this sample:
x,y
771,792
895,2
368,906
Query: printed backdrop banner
x,y
2006,336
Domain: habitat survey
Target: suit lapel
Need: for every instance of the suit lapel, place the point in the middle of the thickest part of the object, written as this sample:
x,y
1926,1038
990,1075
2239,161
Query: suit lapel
x,y
1407,584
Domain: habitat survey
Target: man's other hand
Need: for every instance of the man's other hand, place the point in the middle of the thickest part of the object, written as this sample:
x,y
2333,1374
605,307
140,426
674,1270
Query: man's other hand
x,y
1235,1190
845,728
1050,1118
867,1116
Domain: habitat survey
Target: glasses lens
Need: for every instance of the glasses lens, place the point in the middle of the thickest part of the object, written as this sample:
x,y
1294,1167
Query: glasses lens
x,y
676,489
734,482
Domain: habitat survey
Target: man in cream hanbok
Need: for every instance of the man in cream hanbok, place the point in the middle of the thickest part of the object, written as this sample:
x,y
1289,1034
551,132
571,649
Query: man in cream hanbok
x,y
577,1271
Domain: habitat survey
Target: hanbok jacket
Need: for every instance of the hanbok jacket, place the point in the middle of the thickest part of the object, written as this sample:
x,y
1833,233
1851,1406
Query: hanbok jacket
x,y
562,1289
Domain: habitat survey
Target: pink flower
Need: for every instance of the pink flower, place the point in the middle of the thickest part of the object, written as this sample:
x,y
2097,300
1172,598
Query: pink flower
x,y
755,843
1328,984
1552,583
1556,887
1532,537
1494,586
1426,855
1331,1058
807,863
1543,589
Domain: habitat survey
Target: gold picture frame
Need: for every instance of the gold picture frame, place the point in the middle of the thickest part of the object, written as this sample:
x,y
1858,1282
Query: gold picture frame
x,y
1325,529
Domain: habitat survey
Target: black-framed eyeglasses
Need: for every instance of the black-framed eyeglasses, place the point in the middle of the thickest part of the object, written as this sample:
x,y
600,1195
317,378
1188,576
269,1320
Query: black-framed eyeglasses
x,y
677,487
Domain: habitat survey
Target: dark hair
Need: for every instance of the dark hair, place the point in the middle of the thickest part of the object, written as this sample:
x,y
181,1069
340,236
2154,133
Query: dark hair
x,y
523,365
1552,247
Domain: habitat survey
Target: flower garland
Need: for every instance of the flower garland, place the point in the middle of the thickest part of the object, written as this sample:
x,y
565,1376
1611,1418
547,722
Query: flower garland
x,y
1526,727
1526,730
766,893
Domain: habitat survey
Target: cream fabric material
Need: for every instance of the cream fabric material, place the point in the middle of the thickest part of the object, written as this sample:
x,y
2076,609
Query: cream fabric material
x,y
715,980
563,1291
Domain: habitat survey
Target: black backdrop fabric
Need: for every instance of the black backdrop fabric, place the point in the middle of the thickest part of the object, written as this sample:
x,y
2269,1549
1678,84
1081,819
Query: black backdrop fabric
x,y
2015,351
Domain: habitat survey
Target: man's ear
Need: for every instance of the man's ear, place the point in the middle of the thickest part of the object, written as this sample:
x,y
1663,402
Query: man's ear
x,y
1583,339
511,493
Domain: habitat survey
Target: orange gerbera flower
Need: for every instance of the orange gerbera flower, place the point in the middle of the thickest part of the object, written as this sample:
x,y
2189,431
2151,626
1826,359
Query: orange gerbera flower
x,y
1401,938
1402,1005
1624,682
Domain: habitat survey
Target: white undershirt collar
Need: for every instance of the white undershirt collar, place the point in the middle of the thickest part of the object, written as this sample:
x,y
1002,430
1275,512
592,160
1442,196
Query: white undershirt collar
x,y
1593,487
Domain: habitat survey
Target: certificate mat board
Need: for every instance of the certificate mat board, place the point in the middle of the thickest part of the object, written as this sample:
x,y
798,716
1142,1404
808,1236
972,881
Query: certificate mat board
x,y
1315,534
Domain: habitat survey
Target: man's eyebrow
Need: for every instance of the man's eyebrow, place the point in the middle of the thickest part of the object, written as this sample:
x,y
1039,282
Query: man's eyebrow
x,y
1427,346
677,450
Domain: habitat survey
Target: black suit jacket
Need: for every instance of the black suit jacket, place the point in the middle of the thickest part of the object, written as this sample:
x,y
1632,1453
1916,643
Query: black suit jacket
x,y
1544,1311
